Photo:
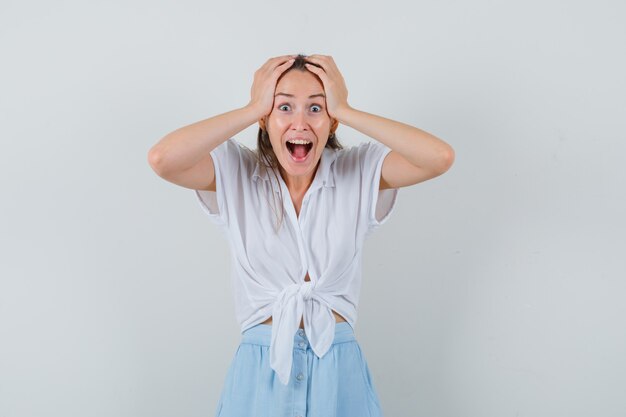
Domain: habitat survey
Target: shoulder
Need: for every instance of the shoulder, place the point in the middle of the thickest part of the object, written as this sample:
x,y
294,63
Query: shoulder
x,y
232,150
233,145
360,155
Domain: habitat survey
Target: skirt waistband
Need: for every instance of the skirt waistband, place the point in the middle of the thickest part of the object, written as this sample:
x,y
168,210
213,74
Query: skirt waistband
x,y
261,334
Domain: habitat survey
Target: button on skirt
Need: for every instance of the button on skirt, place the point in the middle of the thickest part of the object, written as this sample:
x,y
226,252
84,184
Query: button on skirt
x,y
337,385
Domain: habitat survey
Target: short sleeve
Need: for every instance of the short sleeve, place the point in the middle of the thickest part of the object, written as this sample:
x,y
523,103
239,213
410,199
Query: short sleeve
x,y
227,164
379,203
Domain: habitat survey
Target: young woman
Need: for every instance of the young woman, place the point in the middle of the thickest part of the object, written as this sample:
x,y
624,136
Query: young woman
x,y
295,213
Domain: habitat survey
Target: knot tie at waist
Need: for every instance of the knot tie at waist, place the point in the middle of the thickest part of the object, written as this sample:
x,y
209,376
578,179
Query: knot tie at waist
x,y
295,302
305,290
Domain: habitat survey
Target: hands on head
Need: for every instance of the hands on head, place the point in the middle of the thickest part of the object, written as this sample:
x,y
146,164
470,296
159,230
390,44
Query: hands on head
x,y
264,84
323,66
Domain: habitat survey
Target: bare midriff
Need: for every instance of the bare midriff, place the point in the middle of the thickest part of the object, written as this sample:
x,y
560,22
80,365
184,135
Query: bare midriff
x,y
338,317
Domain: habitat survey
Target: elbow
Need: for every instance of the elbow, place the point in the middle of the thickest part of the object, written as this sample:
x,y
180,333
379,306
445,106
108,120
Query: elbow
x,y
155,160
446,159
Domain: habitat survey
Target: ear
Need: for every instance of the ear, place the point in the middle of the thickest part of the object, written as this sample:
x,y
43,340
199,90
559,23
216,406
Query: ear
x,y
334,124
262,123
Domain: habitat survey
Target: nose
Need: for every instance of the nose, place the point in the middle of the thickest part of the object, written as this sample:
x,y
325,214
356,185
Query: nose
x,y
299,121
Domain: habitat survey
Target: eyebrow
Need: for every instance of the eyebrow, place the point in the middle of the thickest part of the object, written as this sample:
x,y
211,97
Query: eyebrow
x,y
291,95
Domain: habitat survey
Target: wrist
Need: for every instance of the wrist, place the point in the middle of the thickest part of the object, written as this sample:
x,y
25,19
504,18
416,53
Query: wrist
x,y
255,110
343,114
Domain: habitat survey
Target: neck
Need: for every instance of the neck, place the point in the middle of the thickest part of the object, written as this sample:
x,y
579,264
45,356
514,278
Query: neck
x,y
297,185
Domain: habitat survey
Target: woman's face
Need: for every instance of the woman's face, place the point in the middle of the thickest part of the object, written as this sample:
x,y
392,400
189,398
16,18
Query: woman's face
x,y
299,112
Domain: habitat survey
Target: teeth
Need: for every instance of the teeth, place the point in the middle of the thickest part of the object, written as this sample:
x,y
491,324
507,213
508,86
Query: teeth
x,y
299,141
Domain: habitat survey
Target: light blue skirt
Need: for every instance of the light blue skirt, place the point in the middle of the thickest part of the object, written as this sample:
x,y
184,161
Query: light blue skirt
x,y
336,385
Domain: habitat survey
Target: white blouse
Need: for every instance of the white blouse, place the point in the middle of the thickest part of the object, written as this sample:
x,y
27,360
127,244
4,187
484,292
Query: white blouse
x,y
342,206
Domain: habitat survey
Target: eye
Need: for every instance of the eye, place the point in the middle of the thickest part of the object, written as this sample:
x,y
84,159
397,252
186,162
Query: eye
x,y
319,107
282,105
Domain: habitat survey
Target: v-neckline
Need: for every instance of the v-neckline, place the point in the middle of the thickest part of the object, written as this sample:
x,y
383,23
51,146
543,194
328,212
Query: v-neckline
x,y
283,184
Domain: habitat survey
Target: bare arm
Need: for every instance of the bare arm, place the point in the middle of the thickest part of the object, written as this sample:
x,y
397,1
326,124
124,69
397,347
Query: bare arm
x,y
183,156
415,155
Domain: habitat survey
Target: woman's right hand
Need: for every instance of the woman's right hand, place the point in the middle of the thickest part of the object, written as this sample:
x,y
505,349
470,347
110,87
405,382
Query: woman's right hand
x,y
264,85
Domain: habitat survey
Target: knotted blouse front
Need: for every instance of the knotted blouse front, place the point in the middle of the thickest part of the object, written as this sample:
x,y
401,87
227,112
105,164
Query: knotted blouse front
x,y
342,206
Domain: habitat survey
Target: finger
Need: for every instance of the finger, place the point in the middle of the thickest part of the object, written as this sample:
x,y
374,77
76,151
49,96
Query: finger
x,y
285,65
316,61
318,71
281,68
327,65
282,60
320,57
272,63
284,57
321,60
278,58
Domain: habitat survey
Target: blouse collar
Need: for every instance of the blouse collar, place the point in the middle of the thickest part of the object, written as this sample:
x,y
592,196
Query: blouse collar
x,y
324,177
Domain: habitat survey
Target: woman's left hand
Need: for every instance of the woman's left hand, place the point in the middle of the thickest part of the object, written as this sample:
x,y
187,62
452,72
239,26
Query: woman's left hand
x,y
334,85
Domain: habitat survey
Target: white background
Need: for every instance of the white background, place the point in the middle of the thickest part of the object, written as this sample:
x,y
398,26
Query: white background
x,y
495,290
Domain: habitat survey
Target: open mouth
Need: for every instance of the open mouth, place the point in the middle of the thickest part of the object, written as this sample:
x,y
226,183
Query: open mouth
x,y
299,152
